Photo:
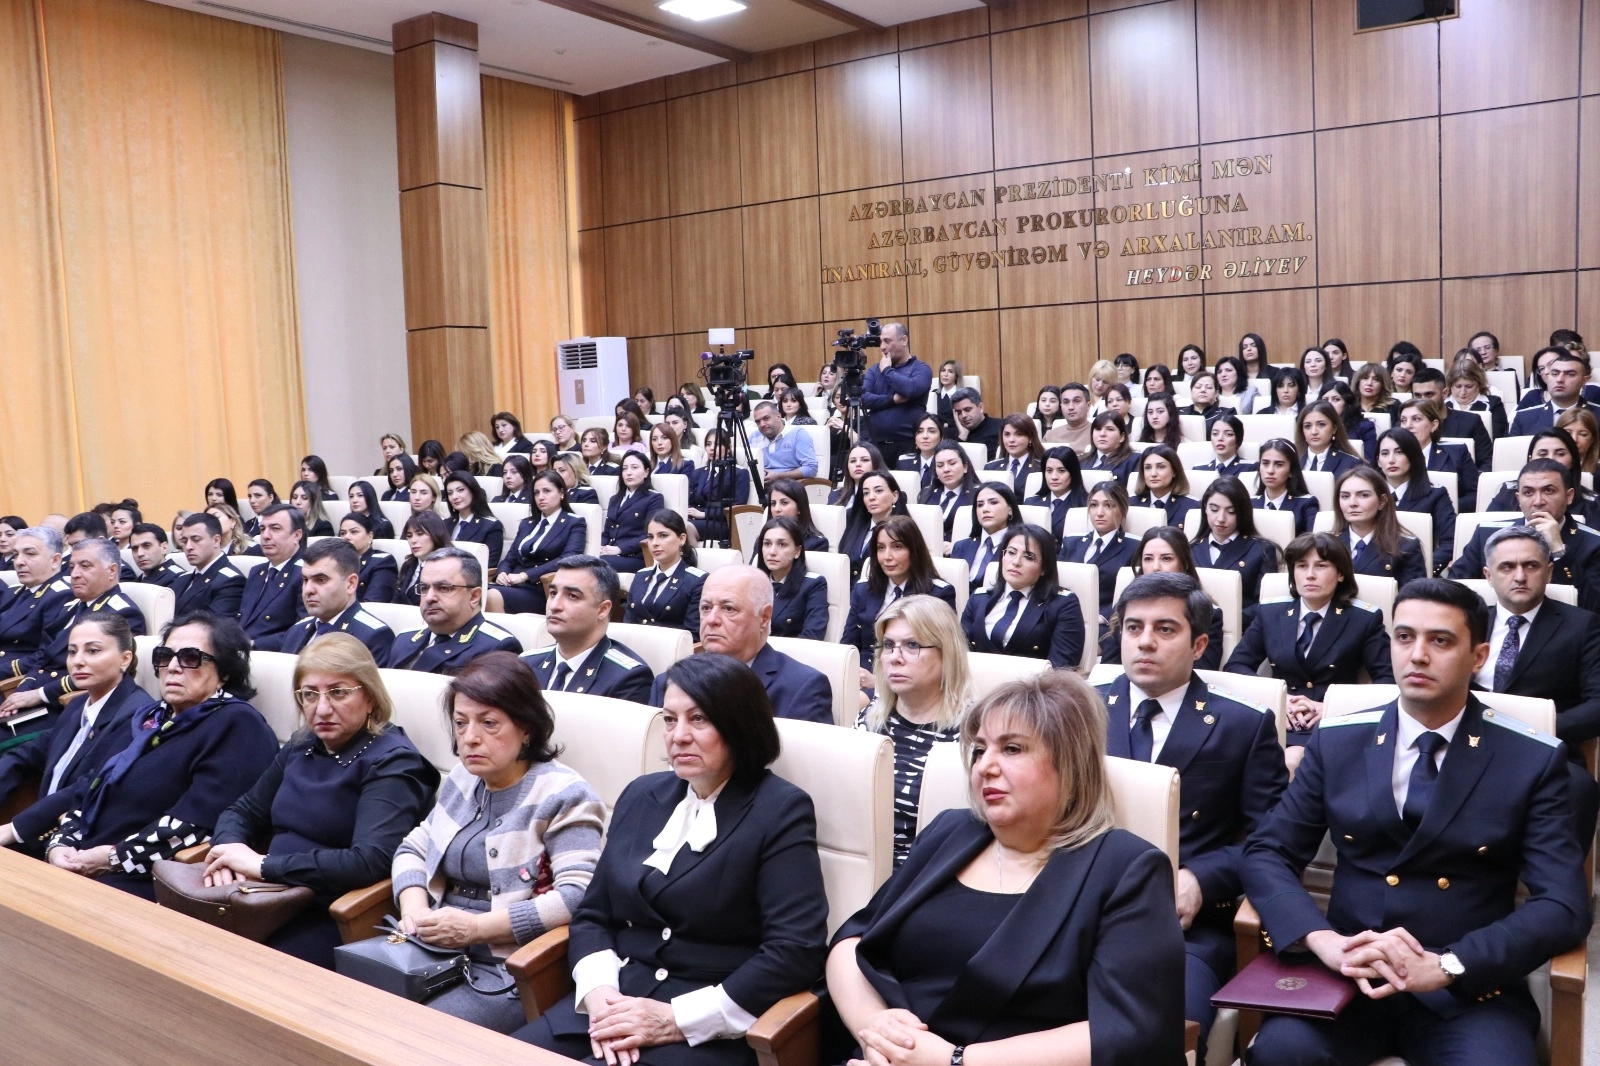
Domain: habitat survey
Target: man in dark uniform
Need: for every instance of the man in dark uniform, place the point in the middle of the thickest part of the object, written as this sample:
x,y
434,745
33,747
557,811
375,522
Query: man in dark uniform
x,y
148,542
329,573
1428,384
96,565
452,606
271,600
88,525
1231,767
213,584
39,596
1544,499
585,659
1438,807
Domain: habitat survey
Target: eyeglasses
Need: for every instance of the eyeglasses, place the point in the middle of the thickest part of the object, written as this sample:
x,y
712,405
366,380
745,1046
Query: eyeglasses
x,y
308,698
188,658
442,588
909,648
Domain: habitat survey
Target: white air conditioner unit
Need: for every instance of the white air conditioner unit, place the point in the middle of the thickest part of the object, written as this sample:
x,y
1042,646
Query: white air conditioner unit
x,y
592,375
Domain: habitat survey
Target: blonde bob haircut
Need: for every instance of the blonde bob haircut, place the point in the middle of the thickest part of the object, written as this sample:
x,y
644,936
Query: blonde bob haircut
x,y
1103,371
934,626
341,655
1064,715
400,442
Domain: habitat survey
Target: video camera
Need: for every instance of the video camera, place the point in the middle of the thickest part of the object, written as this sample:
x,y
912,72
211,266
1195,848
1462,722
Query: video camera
x,y
724,375
851,355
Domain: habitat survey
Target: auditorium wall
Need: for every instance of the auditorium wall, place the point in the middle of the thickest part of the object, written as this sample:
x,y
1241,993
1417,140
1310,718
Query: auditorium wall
x,y
1305,181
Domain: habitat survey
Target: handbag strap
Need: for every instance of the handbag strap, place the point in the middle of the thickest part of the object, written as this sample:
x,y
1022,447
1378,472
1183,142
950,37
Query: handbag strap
x,y
390,925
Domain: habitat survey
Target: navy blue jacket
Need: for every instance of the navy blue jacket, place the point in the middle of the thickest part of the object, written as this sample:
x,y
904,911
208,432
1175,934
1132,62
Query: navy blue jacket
x,y
50,676
378,577
986,433
1403,567
353,620
1305,509
796,690
1455,459
22,615
1249,557
1347,639
914,461
626,527
1578,566
1236,468
268,610
219,588
1118,553
1176,507
676,605
1531,420
419,649
1498,816
1019,483
935,496
1051,629
1119,470
1335,462
1075,497
1435,502
169,575
800,606
969,550
887,419
1210,659
566,536
1464,425
860,624
486,531
611,669
1559,660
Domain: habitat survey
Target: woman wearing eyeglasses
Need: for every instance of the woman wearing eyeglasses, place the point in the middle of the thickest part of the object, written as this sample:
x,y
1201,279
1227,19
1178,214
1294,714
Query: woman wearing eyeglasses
x,y
185,761
334,805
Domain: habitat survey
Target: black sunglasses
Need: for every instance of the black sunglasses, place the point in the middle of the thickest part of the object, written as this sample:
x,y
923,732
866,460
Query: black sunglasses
x,y
188,658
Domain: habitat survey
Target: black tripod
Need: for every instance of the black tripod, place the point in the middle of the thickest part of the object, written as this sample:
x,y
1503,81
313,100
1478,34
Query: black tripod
x,y
721,469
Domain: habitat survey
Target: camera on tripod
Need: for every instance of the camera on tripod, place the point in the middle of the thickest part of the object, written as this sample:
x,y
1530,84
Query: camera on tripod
x,y
851,355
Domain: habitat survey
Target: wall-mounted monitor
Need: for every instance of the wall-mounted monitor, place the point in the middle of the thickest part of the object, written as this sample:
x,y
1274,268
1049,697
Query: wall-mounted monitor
x,y
1383,14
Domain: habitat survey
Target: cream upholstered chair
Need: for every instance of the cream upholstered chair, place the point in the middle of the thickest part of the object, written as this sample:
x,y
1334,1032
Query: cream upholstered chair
x,y
839,663
609,741
272,674
1416,523
398,512
1510,453
1448,480
674,489
1083,581
829,520
1378,591
659,646
976,452
400,617
10,578
746,529
1567,594
1490,482
955,572
989,670
510,516
398,548
1539,714
1268,693
1276,526
835,569
909,482
1320,482
144,673
527,628
930,523
246,563
1258,429
1467,524
492,486
711,558
154,602
605,486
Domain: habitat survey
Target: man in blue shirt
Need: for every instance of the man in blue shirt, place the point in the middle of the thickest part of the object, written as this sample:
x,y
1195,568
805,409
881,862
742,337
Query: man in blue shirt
x,y
894,394
786,451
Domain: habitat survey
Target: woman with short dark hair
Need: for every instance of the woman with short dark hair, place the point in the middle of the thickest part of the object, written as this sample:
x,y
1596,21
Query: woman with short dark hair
x,y
380,573
219,490
1025,611
399,470
708,905
510,846
799,598
516,480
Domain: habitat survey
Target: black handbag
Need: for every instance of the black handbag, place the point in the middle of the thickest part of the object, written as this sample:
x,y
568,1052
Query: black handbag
x,y
409,966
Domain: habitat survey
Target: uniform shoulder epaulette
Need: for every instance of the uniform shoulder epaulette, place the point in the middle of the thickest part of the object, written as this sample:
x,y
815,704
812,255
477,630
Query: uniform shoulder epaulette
x,y
369,620
227,571
489,629
1365,606
695,570
940,583
119,602
1278,599
1587,528
60,585
307,618
814,577
1521,729
299,563
1371,717
1243,701
627,662
418,634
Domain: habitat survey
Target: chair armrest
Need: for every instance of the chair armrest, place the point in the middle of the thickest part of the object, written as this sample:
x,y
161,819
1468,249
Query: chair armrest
x,y
22,797
787,1034
540,967
1246,933
1191,1037
358,911
1569,977
1569,971
9,683
195,853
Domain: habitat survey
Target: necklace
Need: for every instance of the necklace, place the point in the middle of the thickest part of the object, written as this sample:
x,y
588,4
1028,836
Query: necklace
x,y
346,759
1000,870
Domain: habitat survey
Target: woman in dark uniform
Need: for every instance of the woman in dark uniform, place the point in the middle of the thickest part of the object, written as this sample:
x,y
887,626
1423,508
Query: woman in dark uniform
x,y
799,597
668,593
549,534
622,539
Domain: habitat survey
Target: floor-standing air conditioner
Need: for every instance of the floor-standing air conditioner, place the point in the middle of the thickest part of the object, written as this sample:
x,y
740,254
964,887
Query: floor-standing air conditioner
x,y
592,374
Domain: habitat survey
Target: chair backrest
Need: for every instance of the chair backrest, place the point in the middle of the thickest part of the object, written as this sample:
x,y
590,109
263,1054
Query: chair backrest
x,y
154,602
594,520
527,628
1268,692
1193,452
839,663
930,523
10,578
144,673
674,489
1510,453
398,512
850,777
246,563
1144,796
1258,429
400,617
1467,524
909,483
1226,590
746,529
605,487
835,569
956,573
1276,526
1193,426
418,700
272,673
510,516
989,670
1490,482
492,486
1320,482
1451,483
977,452
1567,594
1539,714
1083,580
1378,591
397,548
711,558
608,741
829,520
658,646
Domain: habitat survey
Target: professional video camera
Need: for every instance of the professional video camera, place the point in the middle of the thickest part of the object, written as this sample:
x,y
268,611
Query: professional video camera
x,y
724,375
851,356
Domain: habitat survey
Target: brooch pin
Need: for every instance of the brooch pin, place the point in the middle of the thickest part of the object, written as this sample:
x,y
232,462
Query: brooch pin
x,y
1381,737
1472,741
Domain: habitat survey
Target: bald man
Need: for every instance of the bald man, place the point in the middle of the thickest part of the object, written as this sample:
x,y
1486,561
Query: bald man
x,y
736,619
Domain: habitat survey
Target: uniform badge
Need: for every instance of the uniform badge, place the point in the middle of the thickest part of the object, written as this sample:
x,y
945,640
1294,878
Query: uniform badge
x,y
1472,741
1381,737
1199,705
1111,698
1210,720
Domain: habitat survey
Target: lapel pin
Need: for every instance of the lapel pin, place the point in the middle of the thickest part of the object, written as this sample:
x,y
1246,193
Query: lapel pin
x,y
1338,610
1210,719
1111,698
589,672
1381,737
1199,705
1472,741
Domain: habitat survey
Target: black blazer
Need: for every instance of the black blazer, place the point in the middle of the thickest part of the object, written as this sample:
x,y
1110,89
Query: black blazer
x,y
1436,502
1119,470
611,669
219,588
914,461
749,912
1403,567
986,433
1305,509
1335,462
1237,468
1019,483
1177,507
1465,425
1051,628
934,494
566,536
418,650
486,531
1454,458
1095,938
1560,660
1075,497
1118,553
800,606
1250,557
1578,566
969,550
626,525
379,574
860,625
676,606
268,610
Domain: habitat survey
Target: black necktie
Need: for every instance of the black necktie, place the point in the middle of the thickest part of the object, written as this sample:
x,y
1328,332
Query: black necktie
x,y
538,535
1142,737
898,591
656,586
1357,552
1002,627
1424,775
983,561
1507,660
1307,635
949,500
563,675
1094,550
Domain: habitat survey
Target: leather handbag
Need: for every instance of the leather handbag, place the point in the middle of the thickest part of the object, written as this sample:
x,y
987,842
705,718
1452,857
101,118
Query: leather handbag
x,y
409,966
251,909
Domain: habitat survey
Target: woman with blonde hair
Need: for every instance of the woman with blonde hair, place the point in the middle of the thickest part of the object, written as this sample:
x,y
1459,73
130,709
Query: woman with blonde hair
x,y
424,493
1031,889
235,541
334,805
1584,429
478,449
1102,375
924,687
391,444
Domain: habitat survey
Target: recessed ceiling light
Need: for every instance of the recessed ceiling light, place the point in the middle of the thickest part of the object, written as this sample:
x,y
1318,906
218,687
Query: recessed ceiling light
x,y
700,10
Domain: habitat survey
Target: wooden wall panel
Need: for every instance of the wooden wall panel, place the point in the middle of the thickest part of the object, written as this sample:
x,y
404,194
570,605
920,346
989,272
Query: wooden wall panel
x,y
945,110
852,46
781,251
964,283
1142,76
442,227
638,264
803,348
1020,13
1589,181
1372,224
1041,102
699,80
1588,304
592,320
1492,229
624,96
1279,203
776,63
1591,47
1243,47
777,138
633,159
845,242
858,114
972,338
1132,243
1372,77
707,271
1469,51
1521,311
590,167
1151,329
1371,318
1068,279
957,25
653,361
1286,320
1047,346
702,146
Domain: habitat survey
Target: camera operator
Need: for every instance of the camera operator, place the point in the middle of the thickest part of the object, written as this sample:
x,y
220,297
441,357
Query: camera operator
x,y
895,394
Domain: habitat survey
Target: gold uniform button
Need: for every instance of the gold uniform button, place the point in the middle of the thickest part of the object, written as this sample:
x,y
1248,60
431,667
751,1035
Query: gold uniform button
x,y
1392,880
1484,850
1349,839
1444,883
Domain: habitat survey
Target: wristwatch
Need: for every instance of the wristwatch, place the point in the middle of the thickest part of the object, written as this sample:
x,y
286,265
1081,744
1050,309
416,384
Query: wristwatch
x,y
1451,965
958,1055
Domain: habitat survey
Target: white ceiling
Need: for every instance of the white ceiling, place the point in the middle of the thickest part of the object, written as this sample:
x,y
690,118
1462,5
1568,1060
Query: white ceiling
x,y
532,41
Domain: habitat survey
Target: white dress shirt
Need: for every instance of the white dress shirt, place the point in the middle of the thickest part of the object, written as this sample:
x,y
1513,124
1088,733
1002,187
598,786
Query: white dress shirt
x,y
1161,724
1405,751
574,664
91,712
1316,460
1497,640
1276,503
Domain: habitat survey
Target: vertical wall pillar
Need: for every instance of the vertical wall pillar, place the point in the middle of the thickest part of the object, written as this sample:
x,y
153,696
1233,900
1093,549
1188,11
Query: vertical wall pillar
x,y
443,225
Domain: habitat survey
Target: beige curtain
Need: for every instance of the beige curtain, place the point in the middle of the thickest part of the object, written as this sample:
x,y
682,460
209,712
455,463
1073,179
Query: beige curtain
x,y
163,220
524,146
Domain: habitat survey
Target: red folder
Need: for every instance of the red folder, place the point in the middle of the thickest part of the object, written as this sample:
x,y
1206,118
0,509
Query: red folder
x,y
1297,984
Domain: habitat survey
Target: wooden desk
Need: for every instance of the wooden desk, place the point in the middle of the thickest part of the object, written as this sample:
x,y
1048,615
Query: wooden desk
x,y
96,976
